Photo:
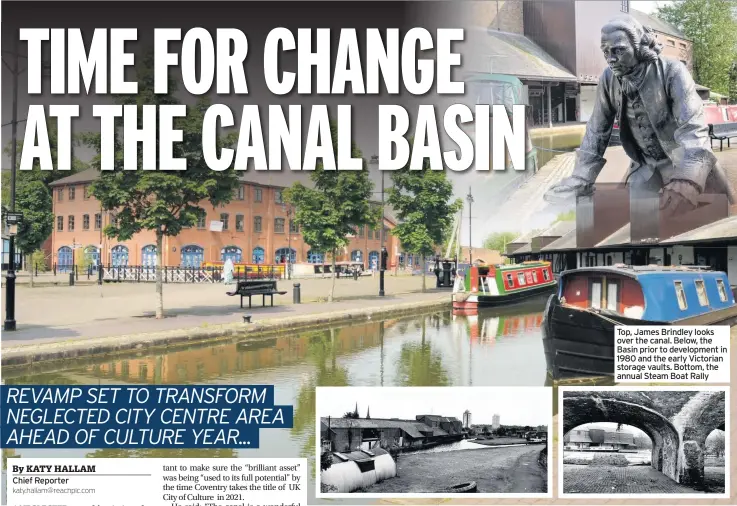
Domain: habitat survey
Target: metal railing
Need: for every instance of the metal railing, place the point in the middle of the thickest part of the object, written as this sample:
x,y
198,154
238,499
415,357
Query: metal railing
x,y
169,274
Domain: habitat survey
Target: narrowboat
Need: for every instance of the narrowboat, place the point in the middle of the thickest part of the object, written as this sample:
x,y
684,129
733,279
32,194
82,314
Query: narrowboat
x,y
494,285
579,319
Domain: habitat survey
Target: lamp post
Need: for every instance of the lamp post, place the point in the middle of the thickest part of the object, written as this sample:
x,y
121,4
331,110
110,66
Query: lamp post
x,y
12,218
469,197
288,210
382,262
9,323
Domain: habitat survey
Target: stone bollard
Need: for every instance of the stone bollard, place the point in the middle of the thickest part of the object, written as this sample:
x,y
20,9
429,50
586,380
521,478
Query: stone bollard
x,y
296,295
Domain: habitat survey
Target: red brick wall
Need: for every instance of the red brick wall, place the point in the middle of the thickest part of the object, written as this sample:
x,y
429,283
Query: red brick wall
x,y
212,242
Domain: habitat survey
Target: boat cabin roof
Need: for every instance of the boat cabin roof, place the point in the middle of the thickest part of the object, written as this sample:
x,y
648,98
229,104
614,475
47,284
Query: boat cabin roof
x,y
523,265
668,293
638,271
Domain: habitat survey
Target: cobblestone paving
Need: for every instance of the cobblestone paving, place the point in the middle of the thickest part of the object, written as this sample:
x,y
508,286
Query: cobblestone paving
x,y
619,480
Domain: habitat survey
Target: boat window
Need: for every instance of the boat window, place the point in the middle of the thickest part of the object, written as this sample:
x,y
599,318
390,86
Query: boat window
x,y
546,275
680,295
521,278
612,296
528,276
534,276
510,280
701,292
596,294
722,290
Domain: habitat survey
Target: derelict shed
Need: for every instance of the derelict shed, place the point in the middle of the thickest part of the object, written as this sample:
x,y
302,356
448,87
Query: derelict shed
x,y
359,469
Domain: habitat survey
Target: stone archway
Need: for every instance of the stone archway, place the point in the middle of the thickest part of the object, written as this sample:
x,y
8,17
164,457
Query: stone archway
x,y
613,407
677,422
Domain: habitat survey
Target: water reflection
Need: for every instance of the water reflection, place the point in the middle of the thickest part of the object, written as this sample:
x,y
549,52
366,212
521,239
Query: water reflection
x,y
549,143
497,347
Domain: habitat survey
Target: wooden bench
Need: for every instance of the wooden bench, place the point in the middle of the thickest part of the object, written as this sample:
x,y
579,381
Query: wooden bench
x,y
251,287
722,132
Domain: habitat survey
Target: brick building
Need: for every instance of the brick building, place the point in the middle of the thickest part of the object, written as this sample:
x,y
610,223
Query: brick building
x,y
254,230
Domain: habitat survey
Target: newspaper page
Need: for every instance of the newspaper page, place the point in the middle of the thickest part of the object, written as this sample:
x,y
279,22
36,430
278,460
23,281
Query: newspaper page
x,y
304,253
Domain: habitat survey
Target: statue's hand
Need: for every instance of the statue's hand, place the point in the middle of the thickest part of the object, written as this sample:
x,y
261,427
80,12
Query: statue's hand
x,y
679,197
568,189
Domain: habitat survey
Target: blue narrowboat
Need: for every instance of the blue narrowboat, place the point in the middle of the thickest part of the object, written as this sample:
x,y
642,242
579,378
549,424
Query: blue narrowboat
x,y
579,319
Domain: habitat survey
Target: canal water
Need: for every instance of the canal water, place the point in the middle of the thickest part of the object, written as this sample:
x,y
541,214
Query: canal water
x,y
499,347
463,445
550,143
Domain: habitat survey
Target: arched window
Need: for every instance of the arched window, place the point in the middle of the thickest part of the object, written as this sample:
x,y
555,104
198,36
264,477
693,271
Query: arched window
x,y
315,257
356,255
192,256
148,256
233,252
258,255
374,260
65,259
92,255
119,255
281,255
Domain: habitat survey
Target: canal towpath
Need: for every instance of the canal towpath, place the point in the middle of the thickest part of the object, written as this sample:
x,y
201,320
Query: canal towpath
x,y
56,323
508,470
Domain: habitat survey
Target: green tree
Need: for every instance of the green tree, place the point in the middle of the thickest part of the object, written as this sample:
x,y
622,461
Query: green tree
x,y
422,202
33,195
162,201
733,83
712,26
498,240
338,203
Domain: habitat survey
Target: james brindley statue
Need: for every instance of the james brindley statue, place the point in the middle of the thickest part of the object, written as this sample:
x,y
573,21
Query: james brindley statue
x,y
661,120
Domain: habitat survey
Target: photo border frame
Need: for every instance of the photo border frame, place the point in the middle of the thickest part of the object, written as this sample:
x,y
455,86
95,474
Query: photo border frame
x,y
645,388
433,495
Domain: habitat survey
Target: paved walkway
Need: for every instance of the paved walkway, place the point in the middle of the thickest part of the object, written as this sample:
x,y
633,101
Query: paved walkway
x,y
579,479
64,313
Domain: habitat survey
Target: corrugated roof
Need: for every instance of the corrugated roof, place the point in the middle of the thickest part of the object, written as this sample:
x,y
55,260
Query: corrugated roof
x,y
567,242
360,455
719,230
438,418
657,24
516,55
410,427
618,238
524,238
559,229
527,248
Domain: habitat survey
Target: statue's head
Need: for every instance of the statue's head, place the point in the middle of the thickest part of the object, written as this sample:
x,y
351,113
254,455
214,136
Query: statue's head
x,y
626,43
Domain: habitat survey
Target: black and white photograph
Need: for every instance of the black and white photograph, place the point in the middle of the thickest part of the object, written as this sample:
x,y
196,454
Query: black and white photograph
x,y
635,442
434,441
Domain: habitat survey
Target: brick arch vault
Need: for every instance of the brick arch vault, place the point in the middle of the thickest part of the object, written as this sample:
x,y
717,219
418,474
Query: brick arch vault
x,y
678,423
603,407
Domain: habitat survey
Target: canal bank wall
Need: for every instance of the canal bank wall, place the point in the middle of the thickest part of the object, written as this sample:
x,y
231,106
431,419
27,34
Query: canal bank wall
x,y
23,356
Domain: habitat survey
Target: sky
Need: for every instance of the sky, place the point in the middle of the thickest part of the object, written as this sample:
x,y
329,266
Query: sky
x,y
514,405
648,6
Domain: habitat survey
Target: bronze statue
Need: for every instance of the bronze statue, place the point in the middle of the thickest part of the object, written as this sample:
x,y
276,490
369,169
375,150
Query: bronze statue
x,y
661,121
